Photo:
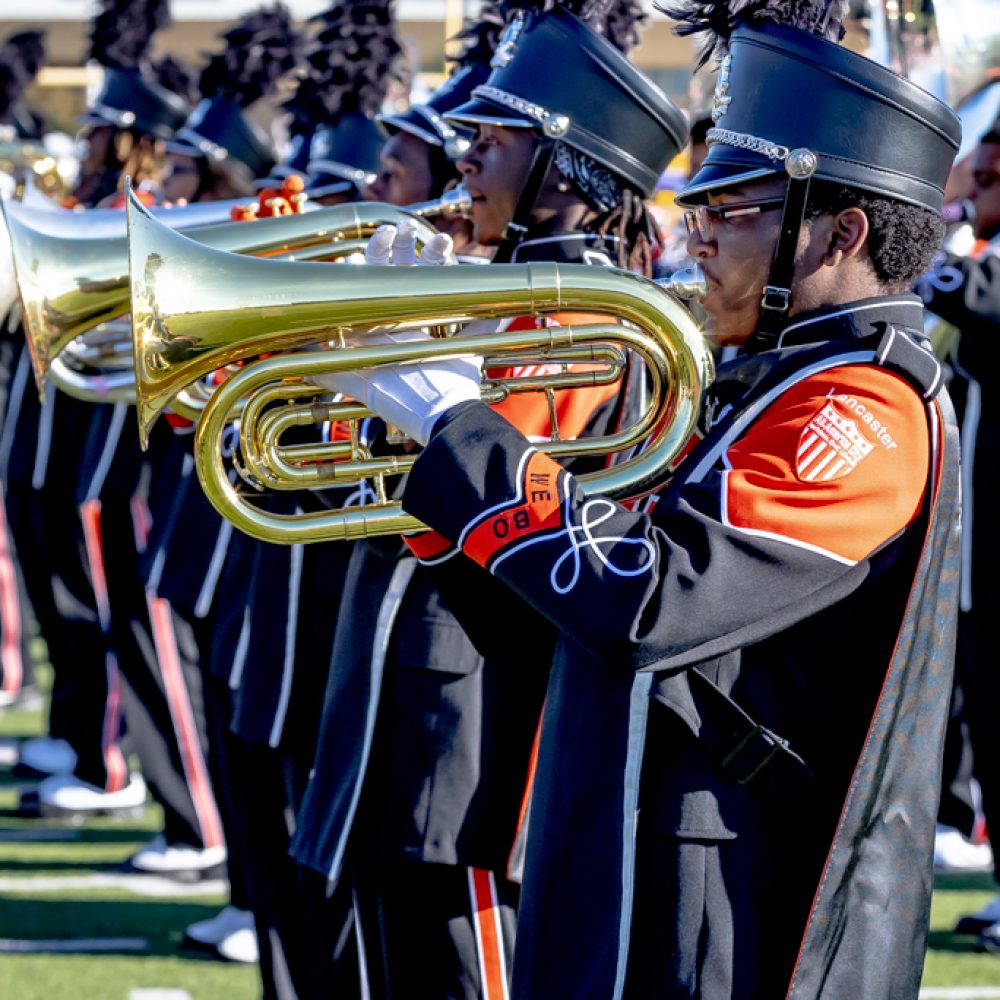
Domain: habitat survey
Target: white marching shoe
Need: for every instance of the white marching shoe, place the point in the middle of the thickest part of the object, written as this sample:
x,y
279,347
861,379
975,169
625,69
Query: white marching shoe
x,y
65,793
177,860
45,755
227,921
954,852
240,946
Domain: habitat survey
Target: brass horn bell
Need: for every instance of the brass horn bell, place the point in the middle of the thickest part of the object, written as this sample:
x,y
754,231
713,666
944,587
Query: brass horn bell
x,y
70,284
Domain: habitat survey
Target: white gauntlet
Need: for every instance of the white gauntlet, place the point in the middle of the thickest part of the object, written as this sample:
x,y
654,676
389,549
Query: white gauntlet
x,y
409,396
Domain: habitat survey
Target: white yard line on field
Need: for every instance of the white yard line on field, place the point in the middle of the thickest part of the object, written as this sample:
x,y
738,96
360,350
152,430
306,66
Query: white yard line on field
x,y
154,994
141,885
960,993
13,946
38,836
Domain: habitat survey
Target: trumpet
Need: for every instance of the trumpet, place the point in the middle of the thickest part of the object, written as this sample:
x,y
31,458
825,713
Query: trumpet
x,y
195,309
70,282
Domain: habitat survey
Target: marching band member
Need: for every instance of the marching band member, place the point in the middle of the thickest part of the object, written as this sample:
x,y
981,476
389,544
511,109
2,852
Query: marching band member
x,y
335,141
223,147
739,763
21,56
417,806
133,113
418,160
275,649
126,123
964,289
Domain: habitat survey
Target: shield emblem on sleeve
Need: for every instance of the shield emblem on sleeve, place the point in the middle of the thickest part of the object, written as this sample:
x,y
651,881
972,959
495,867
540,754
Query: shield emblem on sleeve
x,y
831,446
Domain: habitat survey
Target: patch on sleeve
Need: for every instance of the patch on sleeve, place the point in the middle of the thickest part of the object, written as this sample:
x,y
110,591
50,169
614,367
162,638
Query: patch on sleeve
x,y
536,508
429,547
831,446
838,463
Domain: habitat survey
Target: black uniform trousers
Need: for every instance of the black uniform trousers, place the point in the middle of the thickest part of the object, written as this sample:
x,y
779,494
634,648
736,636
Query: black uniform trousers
x,y
43,449
273,642
16,617
120,488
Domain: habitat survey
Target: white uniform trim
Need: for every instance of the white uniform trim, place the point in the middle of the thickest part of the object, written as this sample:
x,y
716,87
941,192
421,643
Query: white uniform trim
x,y
391,603
17,388
44,443
638,717
291,631
108,453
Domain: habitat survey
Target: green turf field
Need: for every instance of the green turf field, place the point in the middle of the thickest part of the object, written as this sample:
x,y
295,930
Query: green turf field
x,y
145,930
36,852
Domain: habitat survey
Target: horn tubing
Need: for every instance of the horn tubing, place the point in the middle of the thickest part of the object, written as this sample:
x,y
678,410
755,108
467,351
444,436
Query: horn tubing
x,y
679,376
181,332
300,466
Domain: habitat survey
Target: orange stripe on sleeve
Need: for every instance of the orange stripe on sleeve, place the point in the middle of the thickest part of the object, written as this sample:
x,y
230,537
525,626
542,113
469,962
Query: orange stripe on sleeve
x,y
538,508
427,545
839,462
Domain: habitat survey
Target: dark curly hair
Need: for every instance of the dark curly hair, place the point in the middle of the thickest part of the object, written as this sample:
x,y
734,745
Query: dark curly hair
x,y
903,239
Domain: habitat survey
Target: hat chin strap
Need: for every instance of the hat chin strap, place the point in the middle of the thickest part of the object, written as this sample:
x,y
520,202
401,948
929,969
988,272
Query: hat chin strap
x,y
777,297
518,226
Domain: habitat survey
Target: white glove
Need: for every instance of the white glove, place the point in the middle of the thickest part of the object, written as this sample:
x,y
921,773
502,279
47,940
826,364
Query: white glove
x,y
392,245
408,396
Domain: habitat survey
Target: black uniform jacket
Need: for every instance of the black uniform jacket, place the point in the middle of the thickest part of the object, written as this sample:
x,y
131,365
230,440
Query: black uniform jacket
x,y
427,736
965,291
780,618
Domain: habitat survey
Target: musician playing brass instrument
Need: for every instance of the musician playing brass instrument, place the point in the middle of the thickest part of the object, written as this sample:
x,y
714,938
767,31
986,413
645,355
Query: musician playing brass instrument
x,y
423,816
738,768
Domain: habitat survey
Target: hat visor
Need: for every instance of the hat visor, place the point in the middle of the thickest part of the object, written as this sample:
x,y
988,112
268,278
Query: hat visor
x,y
96,117
400,123
479,111
181,148
330,171
187,142
278,175
324,188
726,167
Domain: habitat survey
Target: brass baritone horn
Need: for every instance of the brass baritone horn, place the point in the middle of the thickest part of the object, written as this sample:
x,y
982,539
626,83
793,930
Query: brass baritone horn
x,y
97,365
195,309
68,285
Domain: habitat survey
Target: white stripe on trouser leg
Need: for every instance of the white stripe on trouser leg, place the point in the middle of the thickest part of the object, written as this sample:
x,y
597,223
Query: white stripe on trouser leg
x,y
489,934
366,992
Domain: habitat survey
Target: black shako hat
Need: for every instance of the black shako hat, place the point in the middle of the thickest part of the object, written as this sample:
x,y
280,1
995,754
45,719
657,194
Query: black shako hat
x,y
219,130
344,155
350,62
127,99
784,91
428,121
259,51
551,72
121,34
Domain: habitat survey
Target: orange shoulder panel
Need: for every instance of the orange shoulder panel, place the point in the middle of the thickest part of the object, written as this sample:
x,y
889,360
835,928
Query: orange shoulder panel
x,y
839,462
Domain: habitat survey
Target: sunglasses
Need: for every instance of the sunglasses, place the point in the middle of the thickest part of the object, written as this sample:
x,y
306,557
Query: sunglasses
x,y
703,218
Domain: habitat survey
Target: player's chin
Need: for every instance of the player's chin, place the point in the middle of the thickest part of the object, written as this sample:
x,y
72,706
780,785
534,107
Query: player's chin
x,y
724,326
